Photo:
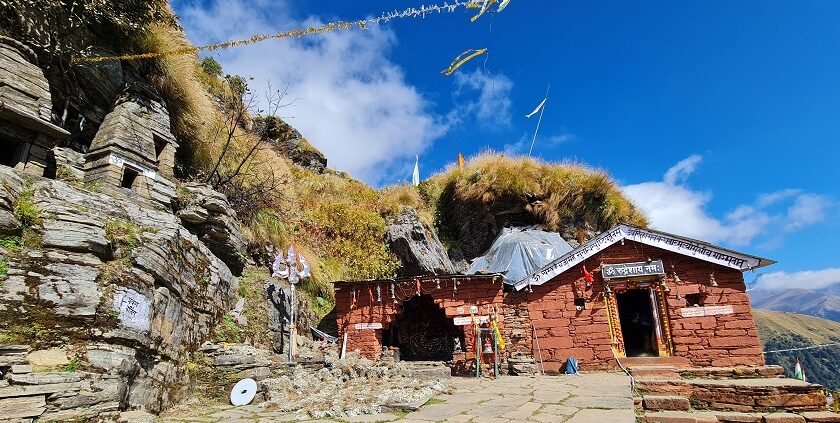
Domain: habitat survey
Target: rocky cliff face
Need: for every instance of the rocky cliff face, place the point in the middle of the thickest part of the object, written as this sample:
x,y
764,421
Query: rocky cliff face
x,y
124,290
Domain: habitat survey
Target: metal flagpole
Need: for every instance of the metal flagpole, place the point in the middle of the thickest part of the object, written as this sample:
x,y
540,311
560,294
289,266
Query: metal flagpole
x,y
539,121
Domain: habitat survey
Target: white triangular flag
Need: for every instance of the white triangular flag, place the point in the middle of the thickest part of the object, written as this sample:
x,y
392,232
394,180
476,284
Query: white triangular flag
x,y
542,103
415,178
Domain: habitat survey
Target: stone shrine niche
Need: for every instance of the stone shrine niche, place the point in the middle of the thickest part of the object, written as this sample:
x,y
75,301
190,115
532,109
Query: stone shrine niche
x,y
133,152
27,134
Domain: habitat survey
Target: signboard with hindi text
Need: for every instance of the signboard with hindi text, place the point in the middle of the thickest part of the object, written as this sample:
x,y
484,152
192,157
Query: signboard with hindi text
x,y
467,320
368,326
632,270
706,311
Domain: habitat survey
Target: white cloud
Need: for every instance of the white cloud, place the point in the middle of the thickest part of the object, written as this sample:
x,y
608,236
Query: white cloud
x,y
673,206
355,104
682,170
811,279
806,210
492,108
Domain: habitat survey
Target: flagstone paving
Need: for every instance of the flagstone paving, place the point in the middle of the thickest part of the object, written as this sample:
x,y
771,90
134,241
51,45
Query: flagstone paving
x,y
584,398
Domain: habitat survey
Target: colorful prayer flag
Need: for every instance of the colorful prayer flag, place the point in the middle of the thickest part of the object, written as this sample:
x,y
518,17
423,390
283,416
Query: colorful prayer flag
x,y
461,161
462,58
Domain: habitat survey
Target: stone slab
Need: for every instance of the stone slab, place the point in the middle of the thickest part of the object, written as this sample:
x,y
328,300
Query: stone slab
x,y
603,416
20,407
821,417
21,368
29,390
783,418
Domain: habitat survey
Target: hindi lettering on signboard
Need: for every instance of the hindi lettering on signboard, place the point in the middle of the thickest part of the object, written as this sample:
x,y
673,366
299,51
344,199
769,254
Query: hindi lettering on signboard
x,y
630,270
368,326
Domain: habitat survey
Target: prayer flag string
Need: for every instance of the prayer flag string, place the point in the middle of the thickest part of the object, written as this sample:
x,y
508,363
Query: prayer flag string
x,y
412,12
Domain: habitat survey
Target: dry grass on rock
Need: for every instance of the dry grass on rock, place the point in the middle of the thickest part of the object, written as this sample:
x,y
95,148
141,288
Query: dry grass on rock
x,y
495,190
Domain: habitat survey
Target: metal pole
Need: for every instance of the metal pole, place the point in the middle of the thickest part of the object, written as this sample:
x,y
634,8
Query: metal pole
x,y
292,325
539,121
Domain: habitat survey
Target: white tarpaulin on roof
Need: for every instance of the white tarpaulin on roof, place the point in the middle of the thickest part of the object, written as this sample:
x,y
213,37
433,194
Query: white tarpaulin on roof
x,y
518,252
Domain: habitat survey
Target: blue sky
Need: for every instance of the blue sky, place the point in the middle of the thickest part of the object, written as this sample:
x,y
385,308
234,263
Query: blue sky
x,y
719,118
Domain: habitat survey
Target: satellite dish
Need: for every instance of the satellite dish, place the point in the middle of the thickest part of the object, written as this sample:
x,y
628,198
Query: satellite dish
x,y
243,392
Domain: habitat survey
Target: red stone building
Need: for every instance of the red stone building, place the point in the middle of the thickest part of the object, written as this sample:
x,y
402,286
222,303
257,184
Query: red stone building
x,y
643,293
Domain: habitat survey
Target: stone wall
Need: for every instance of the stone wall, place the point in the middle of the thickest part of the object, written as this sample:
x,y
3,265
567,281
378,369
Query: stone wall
x,y
125,290
481,291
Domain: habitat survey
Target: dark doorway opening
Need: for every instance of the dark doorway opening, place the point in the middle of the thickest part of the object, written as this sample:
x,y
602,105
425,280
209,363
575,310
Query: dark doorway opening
x,y
422,331
129,177
637,323
10,154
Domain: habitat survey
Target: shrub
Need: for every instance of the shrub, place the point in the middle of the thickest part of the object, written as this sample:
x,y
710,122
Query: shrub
x,y
123,235
211,66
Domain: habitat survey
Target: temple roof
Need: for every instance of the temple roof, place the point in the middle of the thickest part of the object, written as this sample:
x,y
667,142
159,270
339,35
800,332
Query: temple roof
x,y
700,250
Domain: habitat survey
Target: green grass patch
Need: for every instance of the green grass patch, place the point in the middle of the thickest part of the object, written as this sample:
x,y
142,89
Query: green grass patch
x,y
26,212
124,236
432,401
72,366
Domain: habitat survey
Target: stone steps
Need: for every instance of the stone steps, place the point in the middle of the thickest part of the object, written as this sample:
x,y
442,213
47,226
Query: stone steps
x,y
654,402
741,395
654,372
736,417
655,361
742,372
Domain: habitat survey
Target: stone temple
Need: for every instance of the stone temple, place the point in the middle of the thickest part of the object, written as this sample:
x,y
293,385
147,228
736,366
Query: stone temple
x,y
27,134
627,294
134,151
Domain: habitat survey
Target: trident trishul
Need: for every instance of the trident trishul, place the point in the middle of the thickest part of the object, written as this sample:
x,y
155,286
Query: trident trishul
x,y
292,268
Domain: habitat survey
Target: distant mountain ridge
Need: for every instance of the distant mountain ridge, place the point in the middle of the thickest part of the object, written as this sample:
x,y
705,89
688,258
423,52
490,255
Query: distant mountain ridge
x,y
823,302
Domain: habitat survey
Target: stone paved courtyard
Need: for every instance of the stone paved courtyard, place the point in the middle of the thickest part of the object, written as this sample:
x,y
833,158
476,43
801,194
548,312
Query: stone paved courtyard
x,y
590,398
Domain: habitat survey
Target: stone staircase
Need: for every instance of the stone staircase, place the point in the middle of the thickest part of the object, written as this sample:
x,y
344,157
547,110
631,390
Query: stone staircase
x,y
671,392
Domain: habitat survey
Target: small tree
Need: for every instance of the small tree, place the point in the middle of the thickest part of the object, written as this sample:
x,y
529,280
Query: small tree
x,y
237,171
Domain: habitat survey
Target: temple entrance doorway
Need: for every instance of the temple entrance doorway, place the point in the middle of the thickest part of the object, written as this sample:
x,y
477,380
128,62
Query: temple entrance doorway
x,y
635,313
422,332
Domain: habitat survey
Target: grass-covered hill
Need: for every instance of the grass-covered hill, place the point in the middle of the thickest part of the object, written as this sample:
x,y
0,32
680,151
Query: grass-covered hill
x,y
780,330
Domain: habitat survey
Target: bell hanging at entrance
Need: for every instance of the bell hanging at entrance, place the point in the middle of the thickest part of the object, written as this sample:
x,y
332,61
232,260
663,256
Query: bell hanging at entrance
x,y
712,281
488,347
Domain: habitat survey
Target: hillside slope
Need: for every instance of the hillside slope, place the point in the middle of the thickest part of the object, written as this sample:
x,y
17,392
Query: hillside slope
x,y
779,330
820,303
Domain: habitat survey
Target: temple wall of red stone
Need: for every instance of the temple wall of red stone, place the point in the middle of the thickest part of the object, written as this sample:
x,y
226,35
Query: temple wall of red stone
x,y
561,329
483,292
718,340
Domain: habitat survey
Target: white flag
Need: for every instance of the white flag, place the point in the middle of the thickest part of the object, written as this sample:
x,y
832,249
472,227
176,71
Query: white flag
x,y
415,178
542,103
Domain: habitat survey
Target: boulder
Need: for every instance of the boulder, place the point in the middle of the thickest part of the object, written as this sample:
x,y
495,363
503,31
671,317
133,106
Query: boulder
x,y
208,215
291,143
417,246
53,357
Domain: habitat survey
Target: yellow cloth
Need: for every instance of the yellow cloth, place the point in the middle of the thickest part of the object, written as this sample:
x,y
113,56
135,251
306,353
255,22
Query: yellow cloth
x,y
461,161
461,59
499,335
484,8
